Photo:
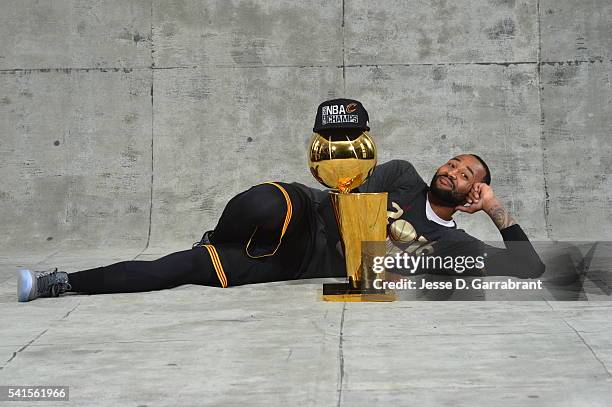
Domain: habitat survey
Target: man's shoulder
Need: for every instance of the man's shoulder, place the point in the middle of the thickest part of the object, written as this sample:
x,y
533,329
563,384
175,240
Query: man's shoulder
x,y
400,164
401,172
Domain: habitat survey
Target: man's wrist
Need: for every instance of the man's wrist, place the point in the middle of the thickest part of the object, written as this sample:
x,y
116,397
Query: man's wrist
x,y
499,215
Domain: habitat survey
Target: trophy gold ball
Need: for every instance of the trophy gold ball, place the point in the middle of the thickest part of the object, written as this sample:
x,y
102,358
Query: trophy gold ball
x,y
340,162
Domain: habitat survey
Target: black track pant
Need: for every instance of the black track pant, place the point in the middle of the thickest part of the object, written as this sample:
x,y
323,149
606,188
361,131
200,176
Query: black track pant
x,y
256,217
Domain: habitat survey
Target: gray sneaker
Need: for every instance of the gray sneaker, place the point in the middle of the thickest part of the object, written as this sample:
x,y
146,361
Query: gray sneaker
x,y
34,284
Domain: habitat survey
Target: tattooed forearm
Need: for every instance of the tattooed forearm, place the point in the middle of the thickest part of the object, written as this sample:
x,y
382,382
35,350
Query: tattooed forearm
x,y
501,217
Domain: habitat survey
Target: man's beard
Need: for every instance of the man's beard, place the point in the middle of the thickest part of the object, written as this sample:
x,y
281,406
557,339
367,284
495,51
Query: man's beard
x,y
446,197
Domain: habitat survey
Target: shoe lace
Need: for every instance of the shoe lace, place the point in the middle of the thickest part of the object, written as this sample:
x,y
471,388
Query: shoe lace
x,y
52,283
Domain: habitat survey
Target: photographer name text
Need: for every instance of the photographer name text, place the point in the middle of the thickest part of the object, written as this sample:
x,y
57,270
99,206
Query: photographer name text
x,y
457,284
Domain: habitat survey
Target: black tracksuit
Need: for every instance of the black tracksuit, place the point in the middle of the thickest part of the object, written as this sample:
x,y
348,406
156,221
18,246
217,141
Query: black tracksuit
x,y
280,231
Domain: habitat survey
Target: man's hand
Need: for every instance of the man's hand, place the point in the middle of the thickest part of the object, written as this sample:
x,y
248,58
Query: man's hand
x,y
481,197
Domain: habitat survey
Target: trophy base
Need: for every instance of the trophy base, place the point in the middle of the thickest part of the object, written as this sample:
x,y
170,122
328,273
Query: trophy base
x,y
345,292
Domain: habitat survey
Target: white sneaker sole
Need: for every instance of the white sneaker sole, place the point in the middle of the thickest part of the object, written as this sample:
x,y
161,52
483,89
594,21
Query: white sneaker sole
x,y
24,285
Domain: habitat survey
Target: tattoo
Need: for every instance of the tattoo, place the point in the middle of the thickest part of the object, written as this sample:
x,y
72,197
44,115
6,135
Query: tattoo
x,y
501,217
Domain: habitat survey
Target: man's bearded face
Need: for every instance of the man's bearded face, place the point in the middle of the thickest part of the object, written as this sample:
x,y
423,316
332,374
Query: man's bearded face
x,y
454,180
443,188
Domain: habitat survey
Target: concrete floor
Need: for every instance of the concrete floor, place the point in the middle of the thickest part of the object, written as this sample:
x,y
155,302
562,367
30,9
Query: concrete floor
x,y
279,344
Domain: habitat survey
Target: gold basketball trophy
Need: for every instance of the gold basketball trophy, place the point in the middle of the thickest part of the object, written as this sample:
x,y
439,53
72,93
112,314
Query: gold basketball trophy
x,y
342,156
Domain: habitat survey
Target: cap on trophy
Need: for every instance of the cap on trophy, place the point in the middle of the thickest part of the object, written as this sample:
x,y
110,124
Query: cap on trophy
x,y
342,154
341,114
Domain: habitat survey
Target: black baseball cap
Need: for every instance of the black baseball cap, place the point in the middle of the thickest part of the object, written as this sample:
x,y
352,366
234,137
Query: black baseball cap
x,y
341,114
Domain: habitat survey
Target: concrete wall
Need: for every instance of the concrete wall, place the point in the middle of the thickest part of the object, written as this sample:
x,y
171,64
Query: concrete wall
x,y
130,124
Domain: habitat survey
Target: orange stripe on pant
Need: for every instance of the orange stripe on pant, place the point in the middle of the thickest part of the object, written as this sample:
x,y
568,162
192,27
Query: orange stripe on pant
x,y
288,215
216,261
